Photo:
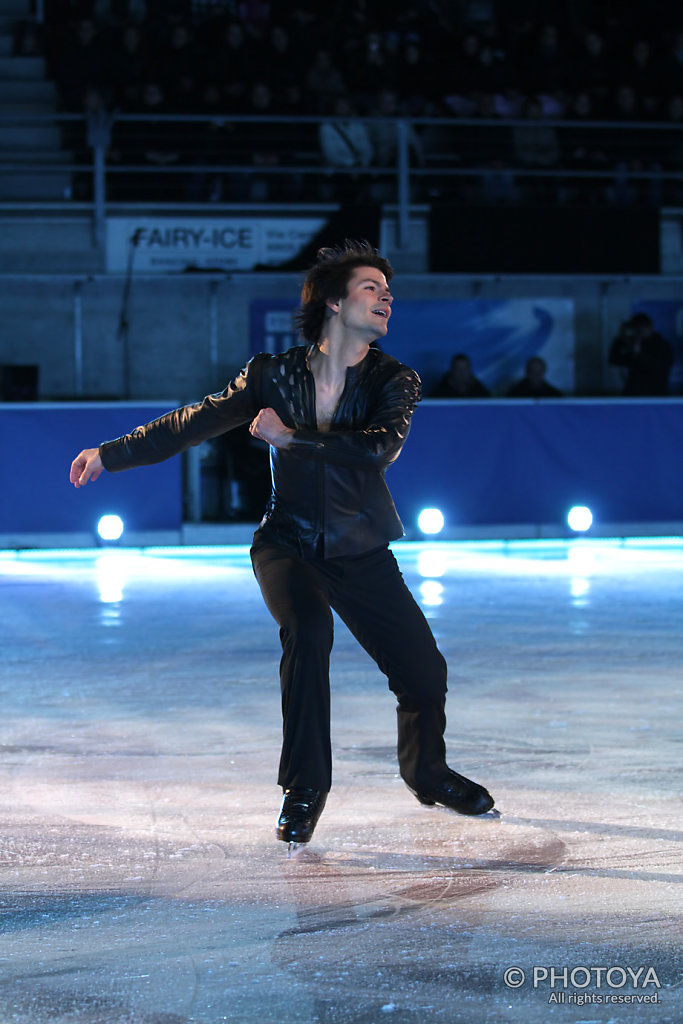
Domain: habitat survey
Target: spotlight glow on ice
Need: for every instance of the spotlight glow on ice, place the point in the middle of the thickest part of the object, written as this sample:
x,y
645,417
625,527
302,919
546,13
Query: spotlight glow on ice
x,y
431,521
110,527
432,593
580,518
431,563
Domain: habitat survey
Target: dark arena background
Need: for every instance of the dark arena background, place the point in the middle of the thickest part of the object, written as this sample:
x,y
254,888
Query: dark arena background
x,y
168,171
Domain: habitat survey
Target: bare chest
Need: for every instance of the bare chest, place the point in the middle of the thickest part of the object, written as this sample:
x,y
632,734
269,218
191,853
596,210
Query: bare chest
x,y
326,401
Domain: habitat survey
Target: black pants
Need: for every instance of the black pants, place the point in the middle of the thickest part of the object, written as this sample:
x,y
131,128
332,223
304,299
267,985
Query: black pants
x,y
368,593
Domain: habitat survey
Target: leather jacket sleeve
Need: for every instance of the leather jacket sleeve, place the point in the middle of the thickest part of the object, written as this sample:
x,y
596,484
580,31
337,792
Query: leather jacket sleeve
x,y
190,425
378,443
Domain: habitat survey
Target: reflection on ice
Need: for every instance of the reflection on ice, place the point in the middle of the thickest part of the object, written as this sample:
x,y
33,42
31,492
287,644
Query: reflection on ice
x,y
582,558
432,593
432,562
579,588
111,576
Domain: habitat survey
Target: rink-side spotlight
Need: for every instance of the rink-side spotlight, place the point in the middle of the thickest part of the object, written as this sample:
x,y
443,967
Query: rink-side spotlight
x,y
579,518
109,528
431,521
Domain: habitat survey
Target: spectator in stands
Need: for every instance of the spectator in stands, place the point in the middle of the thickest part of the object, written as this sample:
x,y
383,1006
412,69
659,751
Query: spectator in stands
x,y
325,82
383,131
536,147
83,62
264,145
547,67
638,168
344,140
282,62
645,356
372,65
129,67
460,75
229,64
643,73
255,13
344,143
416,87
459,381
535,143
498,186
492,74
673,160
625,104
590,70
480,54
672,66
489,150
384,137
179,64
153,143
583,150
674,108
533,384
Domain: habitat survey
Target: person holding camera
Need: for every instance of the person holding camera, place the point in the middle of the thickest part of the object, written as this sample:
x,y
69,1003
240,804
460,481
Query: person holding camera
x,y
646,356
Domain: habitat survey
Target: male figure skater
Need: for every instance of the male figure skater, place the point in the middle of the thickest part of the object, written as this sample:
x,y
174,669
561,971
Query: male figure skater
x,y
335,413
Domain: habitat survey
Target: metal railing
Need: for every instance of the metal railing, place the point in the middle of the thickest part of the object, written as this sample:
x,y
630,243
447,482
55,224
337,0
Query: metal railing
x,y
172,161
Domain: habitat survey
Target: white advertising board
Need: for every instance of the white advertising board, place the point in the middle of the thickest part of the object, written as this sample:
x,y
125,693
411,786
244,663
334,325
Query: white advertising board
x,y
175,244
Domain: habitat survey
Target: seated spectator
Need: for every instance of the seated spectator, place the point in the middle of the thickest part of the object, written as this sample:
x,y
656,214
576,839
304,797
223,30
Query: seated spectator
x,y
263,145
418,94
672,65
536,147
645,355
535,144
129,67
459,381
82,62
179,66
642,70
384,137
489,150
370,64
591,68
625,104
282,67
583,150
673,159
547,67
534,384
344,140
151,143
458,76
324,81
383,133
228,62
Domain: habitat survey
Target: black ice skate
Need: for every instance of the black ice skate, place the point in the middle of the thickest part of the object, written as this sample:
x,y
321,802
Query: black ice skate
x,y
299,815
457,793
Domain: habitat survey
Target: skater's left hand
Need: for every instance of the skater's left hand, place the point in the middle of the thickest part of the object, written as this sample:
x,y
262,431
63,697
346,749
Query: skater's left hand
x,y
268,426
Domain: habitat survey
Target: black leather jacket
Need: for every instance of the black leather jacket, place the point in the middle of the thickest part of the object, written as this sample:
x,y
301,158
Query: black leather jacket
x,y
328,490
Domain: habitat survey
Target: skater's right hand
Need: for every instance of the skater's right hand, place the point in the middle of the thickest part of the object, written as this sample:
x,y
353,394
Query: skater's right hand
x,y
86,466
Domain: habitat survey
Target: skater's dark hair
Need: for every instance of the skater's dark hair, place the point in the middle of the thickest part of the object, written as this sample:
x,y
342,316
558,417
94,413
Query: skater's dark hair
x,y
328,278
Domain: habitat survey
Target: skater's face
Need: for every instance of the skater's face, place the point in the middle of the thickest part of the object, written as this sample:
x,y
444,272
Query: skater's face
x,y
367,303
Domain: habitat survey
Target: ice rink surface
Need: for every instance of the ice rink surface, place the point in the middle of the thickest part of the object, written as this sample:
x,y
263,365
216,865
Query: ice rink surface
x,y
141,881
